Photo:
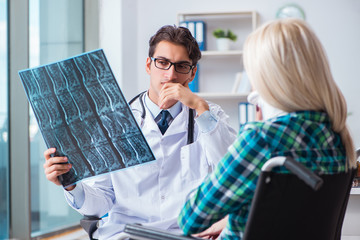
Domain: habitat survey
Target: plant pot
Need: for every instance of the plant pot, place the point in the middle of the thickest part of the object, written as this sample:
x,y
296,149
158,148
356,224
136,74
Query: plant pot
x,y
223,44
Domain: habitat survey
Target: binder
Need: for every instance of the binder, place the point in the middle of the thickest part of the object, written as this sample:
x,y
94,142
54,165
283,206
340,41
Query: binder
x,y
198,30
191,27
246,113
194,84
243,113
251,112
200,34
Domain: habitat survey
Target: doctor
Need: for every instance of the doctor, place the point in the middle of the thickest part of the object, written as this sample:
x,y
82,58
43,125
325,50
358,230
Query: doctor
x,y
187,145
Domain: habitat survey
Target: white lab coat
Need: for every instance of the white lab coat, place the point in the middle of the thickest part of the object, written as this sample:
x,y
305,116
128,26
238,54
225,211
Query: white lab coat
x,y
153,193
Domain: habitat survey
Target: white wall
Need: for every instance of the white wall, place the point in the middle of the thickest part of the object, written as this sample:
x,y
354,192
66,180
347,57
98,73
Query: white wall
x,y
335,22
118,37
127,25
110,34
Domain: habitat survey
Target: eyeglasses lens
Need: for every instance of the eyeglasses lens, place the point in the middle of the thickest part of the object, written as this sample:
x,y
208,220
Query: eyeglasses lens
x,y
179,67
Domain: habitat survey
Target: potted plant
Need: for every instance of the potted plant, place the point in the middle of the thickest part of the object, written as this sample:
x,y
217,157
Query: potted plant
x,y
223,38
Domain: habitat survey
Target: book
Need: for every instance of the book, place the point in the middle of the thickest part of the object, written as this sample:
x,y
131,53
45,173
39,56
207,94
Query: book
x,y
81,111
194,84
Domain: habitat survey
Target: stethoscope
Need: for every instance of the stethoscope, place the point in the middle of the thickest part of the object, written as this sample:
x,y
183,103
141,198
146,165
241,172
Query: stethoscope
x,y
191,122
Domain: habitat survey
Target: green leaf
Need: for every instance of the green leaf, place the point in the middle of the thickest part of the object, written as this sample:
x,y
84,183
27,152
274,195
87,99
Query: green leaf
x,y
220,33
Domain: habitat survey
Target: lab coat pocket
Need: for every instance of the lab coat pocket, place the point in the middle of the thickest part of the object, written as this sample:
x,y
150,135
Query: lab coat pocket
x,y
194,165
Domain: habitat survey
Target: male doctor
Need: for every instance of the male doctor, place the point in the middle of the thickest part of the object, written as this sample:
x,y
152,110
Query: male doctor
x,y
187,145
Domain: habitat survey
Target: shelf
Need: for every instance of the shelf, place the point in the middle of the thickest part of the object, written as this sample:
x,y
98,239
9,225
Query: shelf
x,y
224,96
196,14
355,191
190,15
222,53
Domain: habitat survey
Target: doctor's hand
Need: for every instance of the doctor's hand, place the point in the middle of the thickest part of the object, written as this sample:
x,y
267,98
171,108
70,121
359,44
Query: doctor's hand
x,y
56,166
170,93
214,231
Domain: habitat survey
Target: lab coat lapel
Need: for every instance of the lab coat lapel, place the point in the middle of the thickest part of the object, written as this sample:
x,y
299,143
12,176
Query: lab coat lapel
x,y
150,125
179,124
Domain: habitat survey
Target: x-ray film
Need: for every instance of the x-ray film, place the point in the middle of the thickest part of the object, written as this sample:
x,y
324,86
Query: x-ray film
x,y
82,112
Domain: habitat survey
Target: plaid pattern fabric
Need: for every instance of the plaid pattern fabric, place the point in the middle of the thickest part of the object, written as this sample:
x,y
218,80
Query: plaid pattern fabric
x,y
306,136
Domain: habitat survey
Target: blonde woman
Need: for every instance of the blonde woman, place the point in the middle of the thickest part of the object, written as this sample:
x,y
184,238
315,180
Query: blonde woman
x,y
287,66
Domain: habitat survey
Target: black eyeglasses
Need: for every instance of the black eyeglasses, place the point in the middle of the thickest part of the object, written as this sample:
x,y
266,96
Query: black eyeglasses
x,y
164,64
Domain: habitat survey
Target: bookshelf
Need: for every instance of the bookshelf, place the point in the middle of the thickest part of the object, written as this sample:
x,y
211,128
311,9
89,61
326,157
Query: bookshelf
x,y
227,14
216,64
218,69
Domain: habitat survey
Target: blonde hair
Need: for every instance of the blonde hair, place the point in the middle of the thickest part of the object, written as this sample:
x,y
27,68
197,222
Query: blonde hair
x,y
287,65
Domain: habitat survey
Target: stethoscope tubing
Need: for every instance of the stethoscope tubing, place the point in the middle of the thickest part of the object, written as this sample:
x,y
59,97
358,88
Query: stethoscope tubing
x,y
191,122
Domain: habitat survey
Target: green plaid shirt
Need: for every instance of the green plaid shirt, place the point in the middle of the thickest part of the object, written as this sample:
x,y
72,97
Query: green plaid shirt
x,y
306,136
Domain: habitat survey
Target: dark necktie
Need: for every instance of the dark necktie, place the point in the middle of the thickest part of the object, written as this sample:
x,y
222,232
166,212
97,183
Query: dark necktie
x,y
163,123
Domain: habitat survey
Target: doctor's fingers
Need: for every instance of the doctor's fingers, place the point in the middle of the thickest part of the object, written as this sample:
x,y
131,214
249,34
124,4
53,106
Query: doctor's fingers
x,y
170,90
55,161
166,99
56,169
53,177
48,152
174,88
177,92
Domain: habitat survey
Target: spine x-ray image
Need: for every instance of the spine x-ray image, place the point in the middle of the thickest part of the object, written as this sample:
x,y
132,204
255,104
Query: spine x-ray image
x,y
82,112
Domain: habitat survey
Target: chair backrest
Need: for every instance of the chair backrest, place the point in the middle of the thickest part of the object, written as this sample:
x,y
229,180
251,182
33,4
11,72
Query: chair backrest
x,y
284,207
89,224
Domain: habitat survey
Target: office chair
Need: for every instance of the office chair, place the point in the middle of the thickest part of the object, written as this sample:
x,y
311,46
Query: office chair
x,y
89,224
301,205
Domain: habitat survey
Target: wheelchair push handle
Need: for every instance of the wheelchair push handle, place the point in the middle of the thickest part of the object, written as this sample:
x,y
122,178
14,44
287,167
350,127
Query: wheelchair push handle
x,y
296,168
309,177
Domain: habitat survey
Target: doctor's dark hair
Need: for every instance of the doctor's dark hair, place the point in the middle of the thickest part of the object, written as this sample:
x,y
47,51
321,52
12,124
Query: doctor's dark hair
x,y
176,35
